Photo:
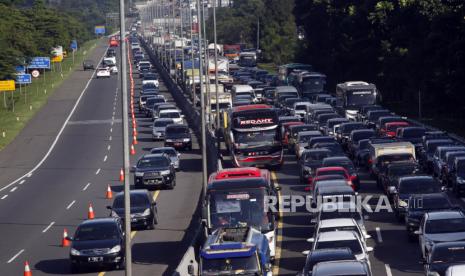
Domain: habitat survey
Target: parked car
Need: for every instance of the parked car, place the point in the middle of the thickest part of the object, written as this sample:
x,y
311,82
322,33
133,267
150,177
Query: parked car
x,y
88,65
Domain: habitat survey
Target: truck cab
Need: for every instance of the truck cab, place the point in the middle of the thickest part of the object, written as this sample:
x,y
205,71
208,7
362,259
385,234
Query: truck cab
x,y
234,251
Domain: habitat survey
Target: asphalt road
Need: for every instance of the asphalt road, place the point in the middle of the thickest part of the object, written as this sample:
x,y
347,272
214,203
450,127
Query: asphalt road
x,y
85,159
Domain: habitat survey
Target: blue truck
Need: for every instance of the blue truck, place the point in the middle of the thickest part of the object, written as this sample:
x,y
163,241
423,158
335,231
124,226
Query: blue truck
x,y
234,251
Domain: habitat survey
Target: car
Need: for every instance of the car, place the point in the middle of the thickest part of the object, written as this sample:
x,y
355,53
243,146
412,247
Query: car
x,y
103,73
97,242
302,140
444,255
159,107
448,172
172,153
346,163
332,171
344,130
341,210
325,255
440,226
150,102
334,147
390,129
153,170
357,135
342,268
150,78
341,224
88,65
320,139
407,186
458,176
418,205
425,155
394,171
159,128
111,52
143,209
338,239
174,114
294,131
329,128
439,158
310,161
362,154
455,270
178,136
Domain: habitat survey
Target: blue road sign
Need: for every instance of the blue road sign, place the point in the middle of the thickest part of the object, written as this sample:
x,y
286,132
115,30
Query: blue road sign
x,y
20,69
23,78
39,63
100,29
74,45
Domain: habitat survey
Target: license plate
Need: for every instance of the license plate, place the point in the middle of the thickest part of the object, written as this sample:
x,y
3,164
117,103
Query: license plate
x,y
133,220
178,144
95,259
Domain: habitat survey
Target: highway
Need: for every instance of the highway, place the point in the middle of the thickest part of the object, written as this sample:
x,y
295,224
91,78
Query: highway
x,y
63,175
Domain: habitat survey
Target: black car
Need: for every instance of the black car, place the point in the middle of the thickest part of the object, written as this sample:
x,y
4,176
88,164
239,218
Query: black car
x,y
420,204
178,136
334,147
111,52
458,176
88,65
345,129
395,170
407,186
310,161
325,255
154,170
143,209
346,163
97,242
443,255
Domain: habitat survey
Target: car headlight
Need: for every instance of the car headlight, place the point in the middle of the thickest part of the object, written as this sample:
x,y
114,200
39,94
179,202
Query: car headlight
x,y
146,212
460,180
402,203
75,252
169,140
186,139
165,172
115,249
139,174
308,169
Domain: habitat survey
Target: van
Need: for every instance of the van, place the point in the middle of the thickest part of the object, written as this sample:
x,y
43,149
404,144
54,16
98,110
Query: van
x,y
383,154
242,89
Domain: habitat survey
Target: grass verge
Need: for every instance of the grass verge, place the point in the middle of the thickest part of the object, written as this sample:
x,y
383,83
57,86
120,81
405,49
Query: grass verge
x,y
19,106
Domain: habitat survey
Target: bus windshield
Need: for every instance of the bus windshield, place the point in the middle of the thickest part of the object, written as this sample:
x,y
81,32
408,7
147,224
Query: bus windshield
x,y
228,266
313,84
238,208
360,98
255,138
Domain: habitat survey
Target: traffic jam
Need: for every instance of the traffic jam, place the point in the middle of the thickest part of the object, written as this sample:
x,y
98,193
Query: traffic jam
x,y
266,118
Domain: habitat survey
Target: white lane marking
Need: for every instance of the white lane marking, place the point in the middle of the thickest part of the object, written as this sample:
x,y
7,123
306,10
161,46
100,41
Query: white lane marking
x,y
111,138
98,171
378,234
14,189
71,204
113,113
15,256
5,196
109,147
112,122
29,174
105,158
87,186
22,181
48,227
111,129
388,269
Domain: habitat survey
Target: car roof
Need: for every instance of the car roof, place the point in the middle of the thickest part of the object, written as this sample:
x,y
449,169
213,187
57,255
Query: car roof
x,y
99,221
445,214
336,236
164,120
337,158
332,168
134,192
151,155
177,126
411,177
337,222
169,110
342,268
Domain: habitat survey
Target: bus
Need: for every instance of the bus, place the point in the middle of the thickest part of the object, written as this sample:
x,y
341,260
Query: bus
x,y
353,95
286,69
251,136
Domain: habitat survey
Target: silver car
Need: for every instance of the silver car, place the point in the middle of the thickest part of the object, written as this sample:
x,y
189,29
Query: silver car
x,y
174,155
159,127
440,226
342,268
341,224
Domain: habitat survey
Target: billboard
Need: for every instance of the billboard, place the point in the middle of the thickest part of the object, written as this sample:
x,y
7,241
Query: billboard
x,y
99,30
39,63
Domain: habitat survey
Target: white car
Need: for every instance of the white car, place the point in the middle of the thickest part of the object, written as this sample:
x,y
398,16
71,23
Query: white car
x,y
103,73
440,226
340,224
174,114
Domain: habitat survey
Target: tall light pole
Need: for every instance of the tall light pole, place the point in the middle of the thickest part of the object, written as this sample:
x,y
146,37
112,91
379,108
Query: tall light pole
x,y
217,128
202,108
124,100
206,59
182,42
192,56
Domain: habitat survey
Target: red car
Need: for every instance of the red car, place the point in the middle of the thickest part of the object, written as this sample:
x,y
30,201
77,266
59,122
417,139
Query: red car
x,y
113,42
323,178
390,129
324,171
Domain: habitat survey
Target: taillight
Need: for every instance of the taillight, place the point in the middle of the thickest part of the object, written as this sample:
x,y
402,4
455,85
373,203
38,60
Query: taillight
x,y
353,177
370,161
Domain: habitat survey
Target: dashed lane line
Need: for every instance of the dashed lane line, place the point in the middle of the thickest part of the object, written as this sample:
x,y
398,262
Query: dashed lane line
x,y
279,238
105,158
22,182
48,227
15,256
109,147
98,171
70,205
378,234
5,196
87,186
13,189
388,269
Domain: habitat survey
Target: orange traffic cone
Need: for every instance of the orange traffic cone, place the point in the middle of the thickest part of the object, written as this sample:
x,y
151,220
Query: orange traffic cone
x,y
90,213
65,241
121,175
109,194
133,151
134,140
134,131
27,270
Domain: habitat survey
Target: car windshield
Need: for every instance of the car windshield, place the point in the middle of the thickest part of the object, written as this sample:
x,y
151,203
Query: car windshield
x,y
347,164
150,77
340,213
100,231
439,226
173,114
354,245
178,130
229,266
157,161
169,151
340,228
316,155
238,208
162,123
402,170
331,172
413,133
301,107
346,129
429,204
266,137
448,255
137,200
418,186
313,84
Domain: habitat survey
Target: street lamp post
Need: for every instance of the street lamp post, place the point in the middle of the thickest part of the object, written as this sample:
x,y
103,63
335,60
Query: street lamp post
x,y
217,128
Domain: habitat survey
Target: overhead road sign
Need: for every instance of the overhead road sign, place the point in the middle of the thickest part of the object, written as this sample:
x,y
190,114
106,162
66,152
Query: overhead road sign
x,y
24,78
7,85
39,63
99,30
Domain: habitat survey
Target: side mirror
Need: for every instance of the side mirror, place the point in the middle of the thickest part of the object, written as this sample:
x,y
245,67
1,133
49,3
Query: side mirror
x,y
311,240
369,249
417,232
306,252
278,188
313,221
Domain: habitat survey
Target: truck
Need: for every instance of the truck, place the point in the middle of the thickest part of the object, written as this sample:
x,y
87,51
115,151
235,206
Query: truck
x,y
223,65
310,83
352,95
247,59
211,49
235,251
231,51
383,154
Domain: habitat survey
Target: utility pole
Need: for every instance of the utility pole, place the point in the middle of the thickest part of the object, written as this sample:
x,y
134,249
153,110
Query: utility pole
x,y
207,73
182,42
258,34
217,128
202,108
124,100
192,56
